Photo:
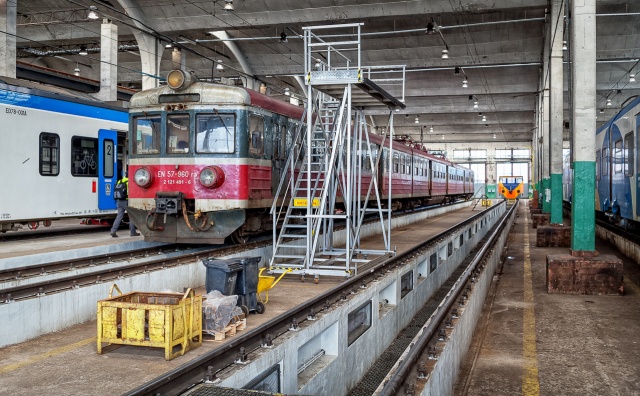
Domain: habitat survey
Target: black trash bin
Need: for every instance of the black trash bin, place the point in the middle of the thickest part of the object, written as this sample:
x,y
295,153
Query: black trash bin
x,y
247,284
221,275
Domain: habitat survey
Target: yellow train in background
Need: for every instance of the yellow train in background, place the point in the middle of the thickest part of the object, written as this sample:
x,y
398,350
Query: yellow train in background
x,y
510,187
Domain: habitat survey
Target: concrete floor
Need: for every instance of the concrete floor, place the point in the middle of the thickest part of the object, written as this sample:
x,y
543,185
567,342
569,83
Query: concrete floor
x,y
529,342
66,363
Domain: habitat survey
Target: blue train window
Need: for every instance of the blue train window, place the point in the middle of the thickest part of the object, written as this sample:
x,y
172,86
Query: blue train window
x,y
598,170
617,156
605,161
49,154
628,154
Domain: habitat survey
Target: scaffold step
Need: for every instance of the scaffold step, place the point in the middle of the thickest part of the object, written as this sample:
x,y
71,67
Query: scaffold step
x,y
294,226
289,256
293,235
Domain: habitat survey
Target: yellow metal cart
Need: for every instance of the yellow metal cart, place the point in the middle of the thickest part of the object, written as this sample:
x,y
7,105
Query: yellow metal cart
x,y
162,320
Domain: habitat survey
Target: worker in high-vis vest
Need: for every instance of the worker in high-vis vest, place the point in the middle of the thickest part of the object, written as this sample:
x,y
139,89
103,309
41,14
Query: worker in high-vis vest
x,y
121,195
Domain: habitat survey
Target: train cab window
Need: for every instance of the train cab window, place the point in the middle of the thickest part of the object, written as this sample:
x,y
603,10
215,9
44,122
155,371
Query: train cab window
x,y
605,161
256,134
146,134
84,156
617,156
49,154
598,162
177,134
215,133
628,154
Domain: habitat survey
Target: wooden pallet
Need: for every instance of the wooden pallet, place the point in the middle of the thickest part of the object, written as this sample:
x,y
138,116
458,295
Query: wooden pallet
x,y
230,330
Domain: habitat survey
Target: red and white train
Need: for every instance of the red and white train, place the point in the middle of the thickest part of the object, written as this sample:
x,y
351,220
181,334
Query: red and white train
x,y
206,160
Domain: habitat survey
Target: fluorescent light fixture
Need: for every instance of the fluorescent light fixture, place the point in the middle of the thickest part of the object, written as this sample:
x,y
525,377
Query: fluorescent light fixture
x,y
228,5
632,78
286,92
494,135
417,120
442,137
431,129
464,84
93,13
475,105
219,66
608,102
564,46
83,50
445,54
76,72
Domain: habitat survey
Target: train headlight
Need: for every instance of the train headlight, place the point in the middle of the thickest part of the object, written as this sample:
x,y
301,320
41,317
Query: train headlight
x,y
211,177
142,177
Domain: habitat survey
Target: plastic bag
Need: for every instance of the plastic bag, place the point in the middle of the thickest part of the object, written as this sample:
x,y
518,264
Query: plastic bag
x,y
217,311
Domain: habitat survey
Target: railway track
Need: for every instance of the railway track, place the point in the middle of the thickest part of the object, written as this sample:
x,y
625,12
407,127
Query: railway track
x,y
206,368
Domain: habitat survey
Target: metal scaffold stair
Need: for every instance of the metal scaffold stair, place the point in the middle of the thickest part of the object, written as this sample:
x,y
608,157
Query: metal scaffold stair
x,y
323,183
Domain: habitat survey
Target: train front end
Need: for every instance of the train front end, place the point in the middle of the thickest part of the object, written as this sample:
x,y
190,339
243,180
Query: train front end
x,y
187,178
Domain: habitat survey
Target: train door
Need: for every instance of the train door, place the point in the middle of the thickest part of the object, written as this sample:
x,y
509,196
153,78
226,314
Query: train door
x,y
107,169
636,171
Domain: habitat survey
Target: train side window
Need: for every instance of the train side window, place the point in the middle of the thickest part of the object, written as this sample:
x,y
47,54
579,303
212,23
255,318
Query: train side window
x,y
605,161
177,133
628,154
396,165
598,164
84,156
256,128
215,133
146,134
617,156
49,154
283,143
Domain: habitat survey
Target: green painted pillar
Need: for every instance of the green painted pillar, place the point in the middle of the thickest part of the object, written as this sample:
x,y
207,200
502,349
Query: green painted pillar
x,y
583,215
546,202
556,199
583,123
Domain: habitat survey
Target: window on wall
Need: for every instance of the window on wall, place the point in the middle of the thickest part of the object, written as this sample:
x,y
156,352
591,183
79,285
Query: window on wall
x,y
49,154
84,156
469,154
605,161
628,154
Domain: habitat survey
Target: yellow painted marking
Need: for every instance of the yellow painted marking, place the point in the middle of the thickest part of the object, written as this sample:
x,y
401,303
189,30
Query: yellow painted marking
x,y
46,355
530,381
302,202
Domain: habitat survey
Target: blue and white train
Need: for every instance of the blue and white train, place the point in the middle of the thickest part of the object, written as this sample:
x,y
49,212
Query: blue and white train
x,y
59,156
617,166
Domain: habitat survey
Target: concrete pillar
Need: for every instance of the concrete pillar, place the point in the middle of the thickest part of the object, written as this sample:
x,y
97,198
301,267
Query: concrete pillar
x,y
546,202
8,40
108,62
583,94
557,108
150,56
178,59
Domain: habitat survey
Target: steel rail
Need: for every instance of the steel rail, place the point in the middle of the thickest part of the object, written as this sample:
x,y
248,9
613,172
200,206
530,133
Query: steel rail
x,y
11,294
205,367
398,378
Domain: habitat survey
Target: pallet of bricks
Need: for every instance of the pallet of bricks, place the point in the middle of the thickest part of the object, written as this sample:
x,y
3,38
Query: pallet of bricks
x,y
221,317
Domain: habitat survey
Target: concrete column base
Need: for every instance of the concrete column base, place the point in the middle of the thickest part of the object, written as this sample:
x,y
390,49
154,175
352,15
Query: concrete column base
x,y
584,273
555,235
541,219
